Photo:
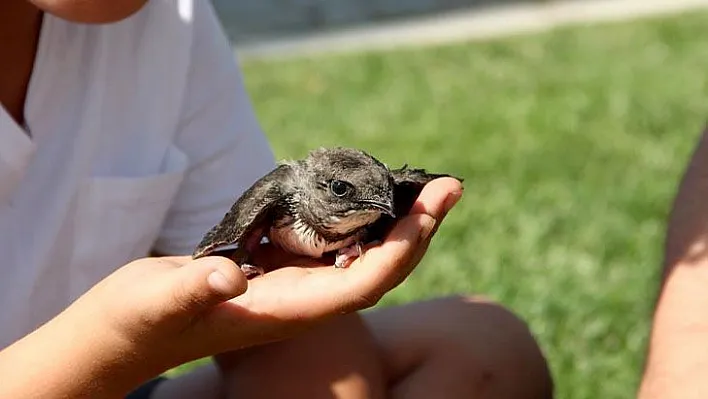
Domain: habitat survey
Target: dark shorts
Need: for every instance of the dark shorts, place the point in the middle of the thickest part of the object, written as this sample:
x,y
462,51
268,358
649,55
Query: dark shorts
x,y
145,391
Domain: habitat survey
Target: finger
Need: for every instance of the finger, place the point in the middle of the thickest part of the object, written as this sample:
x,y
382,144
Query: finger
x,y
438,197
288,299
330,291
384,267
435,200
327,291
205,283
396,251
381,268
170,261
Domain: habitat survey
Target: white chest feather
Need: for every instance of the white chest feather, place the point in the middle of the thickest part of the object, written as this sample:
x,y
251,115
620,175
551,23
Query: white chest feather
x,y
301,239
351,221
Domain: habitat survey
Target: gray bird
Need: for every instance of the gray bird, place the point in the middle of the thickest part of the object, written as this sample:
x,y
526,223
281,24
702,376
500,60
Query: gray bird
x,y
334,201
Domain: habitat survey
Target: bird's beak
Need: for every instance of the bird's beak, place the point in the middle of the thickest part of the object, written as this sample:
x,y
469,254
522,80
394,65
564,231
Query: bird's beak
x,y
385,207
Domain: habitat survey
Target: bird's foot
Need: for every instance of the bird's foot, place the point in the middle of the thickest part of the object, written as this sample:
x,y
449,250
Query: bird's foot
x,y
347,255
251,270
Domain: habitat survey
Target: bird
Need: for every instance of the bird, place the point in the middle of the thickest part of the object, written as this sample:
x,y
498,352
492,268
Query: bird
x,y
333,201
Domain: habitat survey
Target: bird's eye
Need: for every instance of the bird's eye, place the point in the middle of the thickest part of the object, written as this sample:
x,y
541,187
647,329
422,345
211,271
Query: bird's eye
x,y
339,188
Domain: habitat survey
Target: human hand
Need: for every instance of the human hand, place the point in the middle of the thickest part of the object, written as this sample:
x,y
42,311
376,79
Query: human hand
x,y
156,313
298,293
301,288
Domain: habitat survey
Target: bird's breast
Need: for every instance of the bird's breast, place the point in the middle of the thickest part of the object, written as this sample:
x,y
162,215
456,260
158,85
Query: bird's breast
x,y
299,238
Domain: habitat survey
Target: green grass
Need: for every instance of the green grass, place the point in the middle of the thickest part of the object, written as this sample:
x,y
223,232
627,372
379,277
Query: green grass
x,y
571,143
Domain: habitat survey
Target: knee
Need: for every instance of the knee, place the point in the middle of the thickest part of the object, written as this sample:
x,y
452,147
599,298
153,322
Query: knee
x,y
337,358
479,337
462,316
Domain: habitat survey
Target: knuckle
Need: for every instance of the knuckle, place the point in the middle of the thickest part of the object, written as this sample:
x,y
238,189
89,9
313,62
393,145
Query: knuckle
x,y
185,299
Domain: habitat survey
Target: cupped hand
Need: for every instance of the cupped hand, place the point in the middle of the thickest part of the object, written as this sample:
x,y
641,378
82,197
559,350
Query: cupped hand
x,y
301,290
172,309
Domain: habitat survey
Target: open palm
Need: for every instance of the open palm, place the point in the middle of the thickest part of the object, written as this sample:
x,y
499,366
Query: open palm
x,y
300,290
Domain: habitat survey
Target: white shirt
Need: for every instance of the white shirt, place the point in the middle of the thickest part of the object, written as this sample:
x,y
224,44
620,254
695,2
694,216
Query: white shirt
x,y
139,135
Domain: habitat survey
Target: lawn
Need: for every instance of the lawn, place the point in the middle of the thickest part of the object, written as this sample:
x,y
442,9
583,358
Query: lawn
x,y
571,143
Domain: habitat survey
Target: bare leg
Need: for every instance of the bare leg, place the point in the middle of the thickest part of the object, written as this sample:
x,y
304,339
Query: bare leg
x,y
335,360
456,347
460,347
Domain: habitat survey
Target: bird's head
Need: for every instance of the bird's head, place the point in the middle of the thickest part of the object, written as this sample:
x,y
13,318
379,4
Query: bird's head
x,y
346,189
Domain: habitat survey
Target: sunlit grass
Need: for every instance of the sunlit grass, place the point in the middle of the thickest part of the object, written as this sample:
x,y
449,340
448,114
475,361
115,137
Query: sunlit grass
x,y
571,142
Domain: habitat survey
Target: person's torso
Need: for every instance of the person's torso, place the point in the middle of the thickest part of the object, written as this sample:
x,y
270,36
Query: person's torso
x,y
86,187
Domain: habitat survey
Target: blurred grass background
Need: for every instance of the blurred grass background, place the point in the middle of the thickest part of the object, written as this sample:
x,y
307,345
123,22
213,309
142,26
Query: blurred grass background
x,y
571,142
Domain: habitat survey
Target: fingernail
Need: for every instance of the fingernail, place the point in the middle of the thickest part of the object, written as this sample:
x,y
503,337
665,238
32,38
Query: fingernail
x,y
218,282
451,200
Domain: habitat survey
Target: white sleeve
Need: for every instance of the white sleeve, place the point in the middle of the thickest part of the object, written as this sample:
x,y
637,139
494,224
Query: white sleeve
x,y
220,135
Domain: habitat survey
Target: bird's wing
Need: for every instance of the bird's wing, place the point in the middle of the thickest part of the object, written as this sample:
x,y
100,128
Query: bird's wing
x,y
408,183
249,216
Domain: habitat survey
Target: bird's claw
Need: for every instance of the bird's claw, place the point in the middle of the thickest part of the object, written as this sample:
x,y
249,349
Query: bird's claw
x,y
344,255
251,270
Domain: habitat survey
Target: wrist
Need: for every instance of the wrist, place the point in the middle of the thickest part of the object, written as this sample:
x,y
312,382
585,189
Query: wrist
x,y
115,357
73,356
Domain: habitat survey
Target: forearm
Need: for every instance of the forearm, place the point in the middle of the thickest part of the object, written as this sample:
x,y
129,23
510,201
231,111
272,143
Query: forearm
x,y
677,366
66,358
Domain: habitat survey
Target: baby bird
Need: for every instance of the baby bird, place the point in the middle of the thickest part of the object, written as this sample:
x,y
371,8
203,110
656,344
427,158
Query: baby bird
x,y
334,201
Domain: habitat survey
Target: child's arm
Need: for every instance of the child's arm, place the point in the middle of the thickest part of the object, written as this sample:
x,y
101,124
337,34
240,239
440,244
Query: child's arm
x,y
156,313
128,328
75,355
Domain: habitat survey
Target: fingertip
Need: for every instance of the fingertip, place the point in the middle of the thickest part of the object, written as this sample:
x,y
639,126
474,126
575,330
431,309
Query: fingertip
x,y
438,197
224,285
445,184
225,276
452,199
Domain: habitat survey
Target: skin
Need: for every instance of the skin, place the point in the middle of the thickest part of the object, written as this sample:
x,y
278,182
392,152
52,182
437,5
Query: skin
x,y
156,313
676,366
466,347
90,11
470,348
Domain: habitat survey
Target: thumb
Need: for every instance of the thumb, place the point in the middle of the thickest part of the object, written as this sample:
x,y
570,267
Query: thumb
x,y
206,282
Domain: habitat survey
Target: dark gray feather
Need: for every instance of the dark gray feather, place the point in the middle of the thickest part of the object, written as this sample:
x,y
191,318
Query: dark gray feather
x,y
298,199
408,184
251,214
